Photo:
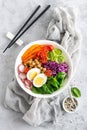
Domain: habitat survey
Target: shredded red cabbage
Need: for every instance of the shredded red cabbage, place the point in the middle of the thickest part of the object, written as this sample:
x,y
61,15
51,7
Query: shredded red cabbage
x,y
56,67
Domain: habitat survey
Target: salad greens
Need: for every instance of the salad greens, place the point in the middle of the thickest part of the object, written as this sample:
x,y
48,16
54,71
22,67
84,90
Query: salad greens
x,y
56,55
75,92
53,83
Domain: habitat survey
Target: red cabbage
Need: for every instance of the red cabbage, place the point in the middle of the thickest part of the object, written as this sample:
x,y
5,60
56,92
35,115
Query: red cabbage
x,y
56,67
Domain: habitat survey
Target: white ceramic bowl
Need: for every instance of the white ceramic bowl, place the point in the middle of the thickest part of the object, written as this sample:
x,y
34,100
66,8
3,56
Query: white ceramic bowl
x,y
68,60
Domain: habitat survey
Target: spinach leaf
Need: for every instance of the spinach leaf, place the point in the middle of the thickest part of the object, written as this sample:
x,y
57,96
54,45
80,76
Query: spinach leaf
x,y
75,92
52,89
34,89
55,83
46,89
61,77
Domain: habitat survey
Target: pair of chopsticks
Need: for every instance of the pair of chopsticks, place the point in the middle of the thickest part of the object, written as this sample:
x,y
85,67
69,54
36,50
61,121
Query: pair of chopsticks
x,y
20,32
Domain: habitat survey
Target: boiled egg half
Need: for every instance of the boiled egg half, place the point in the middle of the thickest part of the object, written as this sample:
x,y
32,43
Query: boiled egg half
x,y
32,73
39,80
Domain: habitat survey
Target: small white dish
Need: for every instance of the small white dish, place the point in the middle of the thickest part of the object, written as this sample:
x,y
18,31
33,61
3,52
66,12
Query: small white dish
x,y
67,107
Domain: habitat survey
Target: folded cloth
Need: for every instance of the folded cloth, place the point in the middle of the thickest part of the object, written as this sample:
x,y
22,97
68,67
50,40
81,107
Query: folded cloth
x,y
37,111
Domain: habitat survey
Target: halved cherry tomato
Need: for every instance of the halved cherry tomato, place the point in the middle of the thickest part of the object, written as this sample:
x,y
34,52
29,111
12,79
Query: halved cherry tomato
x,y
50,47
26,69
48,73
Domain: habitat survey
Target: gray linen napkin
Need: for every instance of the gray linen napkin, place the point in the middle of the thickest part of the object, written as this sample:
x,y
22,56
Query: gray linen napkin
x,y
37,111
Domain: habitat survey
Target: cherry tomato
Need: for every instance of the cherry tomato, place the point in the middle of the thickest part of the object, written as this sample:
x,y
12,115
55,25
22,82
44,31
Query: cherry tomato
x,y
50,47
46,49
48,73
26,69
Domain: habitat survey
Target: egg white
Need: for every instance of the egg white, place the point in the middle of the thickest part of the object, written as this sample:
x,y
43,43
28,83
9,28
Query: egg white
x,y
31,71
43,76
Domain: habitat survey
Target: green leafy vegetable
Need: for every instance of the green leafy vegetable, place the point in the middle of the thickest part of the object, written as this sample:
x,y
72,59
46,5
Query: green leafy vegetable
x,y
56,55
36,90
61,77
75,92
60,58
53,83
46,89
58,51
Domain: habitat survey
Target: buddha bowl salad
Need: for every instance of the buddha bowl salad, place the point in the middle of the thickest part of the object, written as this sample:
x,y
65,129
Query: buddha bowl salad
x,y
43,69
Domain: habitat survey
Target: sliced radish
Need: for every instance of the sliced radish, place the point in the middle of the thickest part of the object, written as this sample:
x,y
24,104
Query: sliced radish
x,y
28,83
22,76
30,86
27,86
20,68
23,80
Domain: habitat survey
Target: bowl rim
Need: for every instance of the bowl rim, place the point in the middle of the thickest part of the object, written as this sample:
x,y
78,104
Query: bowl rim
x,y
45,95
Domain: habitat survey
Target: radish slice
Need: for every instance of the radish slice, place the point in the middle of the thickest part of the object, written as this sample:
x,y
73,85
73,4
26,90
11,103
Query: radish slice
x,y
27,86
23,80
28,83
21,68
22,76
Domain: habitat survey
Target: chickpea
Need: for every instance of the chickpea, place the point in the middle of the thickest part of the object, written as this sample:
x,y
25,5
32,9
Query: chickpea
x,y
30,67
42,72
30,61
41,68
39,65
33,63
44,69
35,66
36,61
27,64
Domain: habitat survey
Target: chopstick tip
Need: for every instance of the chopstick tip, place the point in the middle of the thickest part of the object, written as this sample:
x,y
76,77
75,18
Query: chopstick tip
x,y
39,6
49,5
4,50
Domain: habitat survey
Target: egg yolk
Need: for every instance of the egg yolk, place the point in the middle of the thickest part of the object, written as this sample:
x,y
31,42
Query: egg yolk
x,y
39,81
32,75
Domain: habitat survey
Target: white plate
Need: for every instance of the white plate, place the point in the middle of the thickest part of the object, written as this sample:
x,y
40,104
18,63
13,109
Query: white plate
x,y
68,60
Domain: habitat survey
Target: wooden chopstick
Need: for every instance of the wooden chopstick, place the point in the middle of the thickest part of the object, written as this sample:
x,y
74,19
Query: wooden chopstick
x,y
23,27
28,27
